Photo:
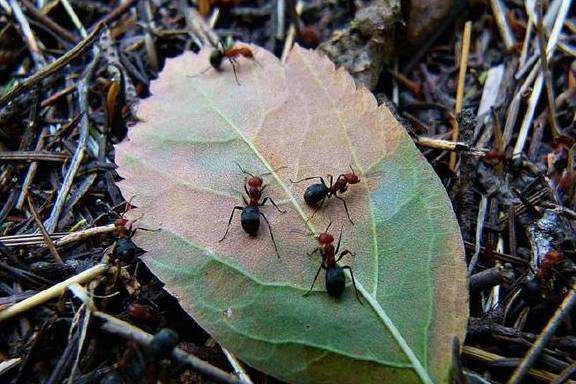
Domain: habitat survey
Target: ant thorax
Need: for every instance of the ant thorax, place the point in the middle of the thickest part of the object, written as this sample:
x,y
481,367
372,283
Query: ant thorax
x,y
255,193
329,251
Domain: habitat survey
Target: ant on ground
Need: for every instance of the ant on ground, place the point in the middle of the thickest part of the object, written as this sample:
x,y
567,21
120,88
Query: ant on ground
x,y
316,194
250,216
232,54
335,277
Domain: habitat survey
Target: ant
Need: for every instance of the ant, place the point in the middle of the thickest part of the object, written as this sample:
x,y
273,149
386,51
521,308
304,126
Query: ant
x,y
548,264
316,194
250,216
335,278
230,53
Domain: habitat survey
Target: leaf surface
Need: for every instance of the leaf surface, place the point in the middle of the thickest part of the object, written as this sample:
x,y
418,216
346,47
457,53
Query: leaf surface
x,y
300,119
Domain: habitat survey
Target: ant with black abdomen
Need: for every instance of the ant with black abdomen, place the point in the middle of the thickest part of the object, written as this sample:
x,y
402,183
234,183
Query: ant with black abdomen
x,y
316,194
335,278
250,216
232,54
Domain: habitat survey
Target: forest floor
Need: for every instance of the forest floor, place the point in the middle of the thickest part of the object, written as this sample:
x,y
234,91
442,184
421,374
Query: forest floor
x,y
493,114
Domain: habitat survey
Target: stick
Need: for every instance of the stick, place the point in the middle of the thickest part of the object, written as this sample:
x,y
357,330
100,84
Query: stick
x,y
52,292
44,233
128,331
489,357
39,61
237,365
547,333
291,35
546,74
54,67
499,12
52,221
537,88
447,145
74,17
461,82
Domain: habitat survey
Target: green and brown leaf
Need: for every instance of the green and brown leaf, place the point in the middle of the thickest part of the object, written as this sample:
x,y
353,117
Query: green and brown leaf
x,y
300,119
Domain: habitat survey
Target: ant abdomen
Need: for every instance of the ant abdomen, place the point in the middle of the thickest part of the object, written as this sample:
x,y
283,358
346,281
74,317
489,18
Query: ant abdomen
x,y
335,281
216,58
315,193
250,220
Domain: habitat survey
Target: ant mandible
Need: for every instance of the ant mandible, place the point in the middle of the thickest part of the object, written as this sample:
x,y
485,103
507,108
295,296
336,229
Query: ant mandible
x,y
250,216
335,277
316,194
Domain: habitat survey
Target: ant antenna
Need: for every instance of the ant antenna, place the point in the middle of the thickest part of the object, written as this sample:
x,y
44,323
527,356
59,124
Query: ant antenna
x,y
274,170
302,232
243,170
262,174
352,169
328,227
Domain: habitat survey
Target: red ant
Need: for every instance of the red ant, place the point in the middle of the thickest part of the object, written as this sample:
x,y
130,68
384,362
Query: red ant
x,y
335,278
125,249
546,267
250,216
317,193
230,53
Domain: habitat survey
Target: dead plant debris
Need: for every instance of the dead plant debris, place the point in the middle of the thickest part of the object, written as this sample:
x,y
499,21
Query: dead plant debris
x,y
72,73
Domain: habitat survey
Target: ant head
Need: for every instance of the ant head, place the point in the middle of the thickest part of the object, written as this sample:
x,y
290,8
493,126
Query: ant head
x,y
216,58
325,238
352,177
255,181
120,222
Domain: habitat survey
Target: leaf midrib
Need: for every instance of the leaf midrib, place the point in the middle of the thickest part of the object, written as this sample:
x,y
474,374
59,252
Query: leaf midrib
x,y
417,365
259,282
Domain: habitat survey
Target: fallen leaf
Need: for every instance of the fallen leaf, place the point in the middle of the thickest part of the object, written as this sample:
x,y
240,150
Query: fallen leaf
x,y
296,120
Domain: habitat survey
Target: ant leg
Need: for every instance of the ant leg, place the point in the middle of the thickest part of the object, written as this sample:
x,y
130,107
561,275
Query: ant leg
x,y
317,209
353,283
339,240
229,221
345,207
271,235
234,69
344,253
313,252
273,203
246,189
309,178
314,282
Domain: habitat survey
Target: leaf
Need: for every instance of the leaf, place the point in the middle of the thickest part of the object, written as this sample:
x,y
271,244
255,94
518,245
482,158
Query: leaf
x,y
301,119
